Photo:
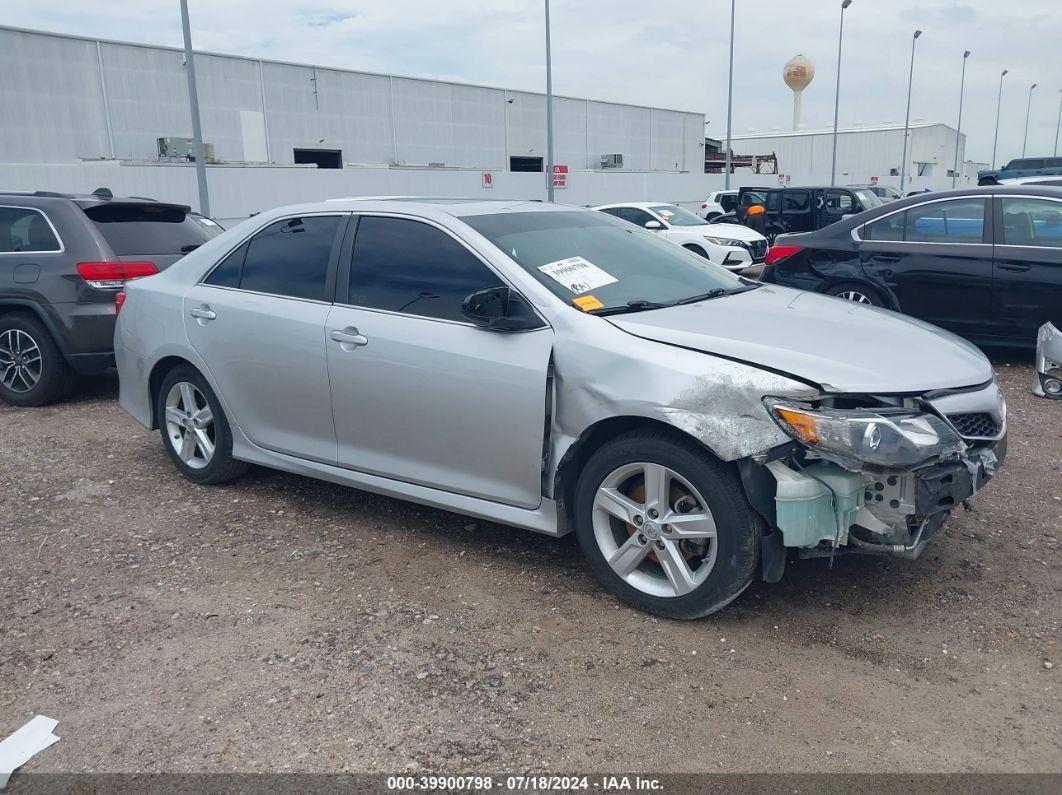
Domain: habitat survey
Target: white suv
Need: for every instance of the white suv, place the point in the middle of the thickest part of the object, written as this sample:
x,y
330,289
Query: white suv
x,y
719,203
732,246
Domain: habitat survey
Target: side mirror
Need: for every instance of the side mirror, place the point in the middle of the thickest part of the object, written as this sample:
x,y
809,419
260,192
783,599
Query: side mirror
x,y
654,225
500,309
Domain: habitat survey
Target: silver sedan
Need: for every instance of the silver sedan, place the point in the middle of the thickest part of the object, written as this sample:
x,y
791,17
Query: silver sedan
x,y
558,369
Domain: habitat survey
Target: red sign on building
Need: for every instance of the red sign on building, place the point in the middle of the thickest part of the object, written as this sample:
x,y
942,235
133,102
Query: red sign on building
x,y
488,179
560,176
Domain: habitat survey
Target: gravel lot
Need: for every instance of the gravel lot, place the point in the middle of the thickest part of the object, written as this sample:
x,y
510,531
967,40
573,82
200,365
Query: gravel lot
x,y
279,623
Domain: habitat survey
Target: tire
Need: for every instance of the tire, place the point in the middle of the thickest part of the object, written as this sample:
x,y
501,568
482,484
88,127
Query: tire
x,y
207,458
847,291
33,371
700,252
731,556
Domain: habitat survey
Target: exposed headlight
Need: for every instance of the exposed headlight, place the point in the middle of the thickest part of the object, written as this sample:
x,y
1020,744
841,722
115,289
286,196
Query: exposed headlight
x,y
891,438
725,241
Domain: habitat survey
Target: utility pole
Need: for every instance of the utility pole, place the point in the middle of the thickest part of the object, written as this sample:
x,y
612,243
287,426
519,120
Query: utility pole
x,y
907,121
730,99
549,114
193,102
837,96
958,127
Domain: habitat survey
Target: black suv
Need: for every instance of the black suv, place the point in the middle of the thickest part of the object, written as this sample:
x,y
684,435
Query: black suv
x,y
806,209
63,259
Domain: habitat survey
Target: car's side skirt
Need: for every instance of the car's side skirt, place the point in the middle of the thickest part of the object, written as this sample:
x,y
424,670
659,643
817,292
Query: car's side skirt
x,y
544,519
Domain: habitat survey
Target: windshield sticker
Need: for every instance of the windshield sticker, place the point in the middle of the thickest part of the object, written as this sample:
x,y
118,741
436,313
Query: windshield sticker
x,y
587,303
577,274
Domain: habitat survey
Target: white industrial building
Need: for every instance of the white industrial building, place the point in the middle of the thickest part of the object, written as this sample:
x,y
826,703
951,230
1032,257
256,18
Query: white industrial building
x,y
82,113
866,153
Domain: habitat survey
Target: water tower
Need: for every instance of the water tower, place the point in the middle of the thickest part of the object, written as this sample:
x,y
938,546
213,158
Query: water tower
x,y
798,72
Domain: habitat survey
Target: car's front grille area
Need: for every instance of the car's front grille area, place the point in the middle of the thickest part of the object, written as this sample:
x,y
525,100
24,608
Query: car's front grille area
x,y
975,425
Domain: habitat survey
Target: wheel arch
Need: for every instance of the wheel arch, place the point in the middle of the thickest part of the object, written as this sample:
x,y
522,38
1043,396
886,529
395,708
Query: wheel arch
x,y
865,284
19,306
159,371
593,438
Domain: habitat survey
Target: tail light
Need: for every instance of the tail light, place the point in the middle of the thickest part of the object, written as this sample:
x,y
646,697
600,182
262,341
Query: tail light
x,y
704,205
779,253
119,302
114,274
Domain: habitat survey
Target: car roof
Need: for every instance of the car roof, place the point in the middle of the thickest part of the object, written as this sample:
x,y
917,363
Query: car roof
x,y
425,205
638,205
86,199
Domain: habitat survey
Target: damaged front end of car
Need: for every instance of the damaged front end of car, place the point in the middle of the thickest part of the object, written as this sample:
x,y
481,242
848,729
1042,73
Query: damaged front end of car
x,y
874,474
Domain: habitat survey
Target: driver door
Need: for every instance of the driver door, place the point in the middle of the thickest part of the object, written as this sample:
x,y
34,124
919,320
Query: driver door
x,y
421,394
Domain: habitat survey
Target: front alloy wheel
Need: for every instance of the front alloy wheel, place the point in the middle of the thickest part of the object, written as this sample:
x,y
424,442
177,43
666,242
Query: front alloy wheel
x,y
654,529
665,525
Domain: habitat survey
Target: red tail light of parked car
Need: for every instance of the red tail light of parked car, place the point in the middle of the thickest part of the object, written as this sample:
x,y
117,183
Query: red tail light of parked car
x,y
114,274
779,253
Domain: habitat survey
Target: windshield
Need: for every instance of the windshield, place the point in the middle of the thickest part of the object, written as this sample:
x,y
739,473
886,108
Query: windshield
x,y
676,216
598,262
868,198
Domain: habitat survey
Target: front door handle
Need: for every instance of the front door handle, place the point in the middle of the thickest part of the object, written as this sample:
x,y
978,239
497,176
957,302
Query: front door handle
x,y
203,313
349,338
889,258
1016,267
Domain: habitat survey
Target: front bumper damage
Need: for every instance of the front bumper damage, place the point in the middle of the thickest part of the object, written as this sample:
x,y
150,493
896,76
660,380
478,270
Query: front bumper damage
x,y
1048,381
823,504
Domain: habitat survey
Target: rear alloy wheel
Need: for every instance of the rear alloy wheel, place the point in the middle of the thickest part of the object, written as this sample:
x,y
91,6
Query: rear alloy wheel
x,y
665,526
194,429
856,293
32,370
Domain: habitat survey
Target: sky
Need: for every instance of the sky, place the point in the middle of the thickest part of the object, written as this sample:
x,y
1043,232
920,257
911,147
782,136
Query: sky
x,y
670,55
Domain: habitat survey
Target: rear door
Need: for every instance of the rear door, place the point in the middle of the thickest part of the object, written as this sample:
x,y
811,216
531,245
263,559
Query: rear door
x,y
838,204
936,258
151,232
419,393
1028,265
797,210
258,322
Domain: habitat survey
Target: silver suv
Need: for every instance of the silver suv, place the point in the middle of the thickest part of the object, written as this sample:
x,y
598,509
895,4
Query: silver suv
x,y
555,368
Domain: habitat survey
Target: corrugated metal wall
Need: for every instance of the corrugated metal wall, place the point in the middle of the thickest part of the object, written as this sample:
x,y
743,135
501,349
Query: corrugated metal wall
x,y
81,99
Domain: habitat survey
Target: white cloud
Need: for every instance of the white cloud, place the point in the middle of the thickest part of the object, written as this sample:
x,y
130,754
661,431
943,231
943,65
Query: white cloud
x,y
672,55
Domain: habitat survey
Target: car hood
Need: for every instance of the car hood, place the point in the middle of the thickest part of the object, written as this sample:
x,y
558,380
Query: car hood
x,y
836,344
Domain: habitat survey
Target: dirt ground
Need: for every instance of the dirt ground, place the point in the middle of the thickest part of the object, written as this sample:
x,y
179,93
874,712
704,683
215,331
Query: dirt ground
x,y
278,623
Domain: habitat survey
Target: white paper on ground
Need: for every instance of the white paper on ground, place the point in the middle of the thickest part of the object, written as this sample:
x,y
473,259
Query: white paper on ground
x,y
577,274
19,747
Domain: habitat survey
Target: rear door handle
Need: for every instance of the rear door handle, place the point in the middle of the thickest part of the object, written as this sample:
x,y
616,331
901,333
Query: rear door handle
x,y
203,312
349,337
1016,267
888,258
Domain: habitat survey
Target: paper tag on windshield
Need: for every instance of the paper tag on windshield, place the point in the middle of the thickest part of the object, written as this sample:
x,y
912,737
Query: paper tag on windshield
x,y
577,274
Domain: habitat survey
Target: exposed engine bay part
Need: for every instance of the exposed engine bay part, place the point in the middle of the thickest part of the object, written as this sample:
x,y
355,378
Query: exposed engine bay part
x,y
1048,362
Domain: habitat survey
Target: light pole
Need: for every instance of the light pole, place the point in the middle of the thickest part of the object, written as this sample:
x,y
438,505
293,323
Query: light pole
x,y
999,104
193,102
1058,124
907,120
958,127
730,97
549,114
1028,108
837,95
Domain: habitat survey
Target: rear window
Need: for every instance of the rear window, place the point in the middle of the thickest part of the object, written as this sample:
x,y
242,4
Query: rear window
x,y
139,229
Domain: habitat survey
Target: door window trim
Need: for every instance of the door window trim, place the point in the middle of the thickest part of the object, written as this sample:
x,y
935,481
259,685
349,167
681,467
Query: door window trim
x,y
333,258
997,213
342,291
55,232
857,231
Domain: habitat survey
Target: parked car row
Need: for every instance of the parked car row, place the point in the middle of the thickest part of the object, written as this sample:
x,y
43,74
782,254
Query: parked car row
x,y
553,368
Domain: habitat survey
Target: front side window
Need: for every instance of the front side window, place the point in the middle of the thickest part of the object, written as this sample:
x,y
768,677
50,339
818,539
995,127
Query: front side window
x,y
290,258
568,250
839,202
796,201
1032,222
407,266
25,229
956,221
676,216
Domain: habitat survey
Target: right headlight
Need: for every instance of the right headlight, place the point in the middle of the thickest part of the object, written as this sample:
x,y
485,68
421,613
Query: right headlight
x,y
891,438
